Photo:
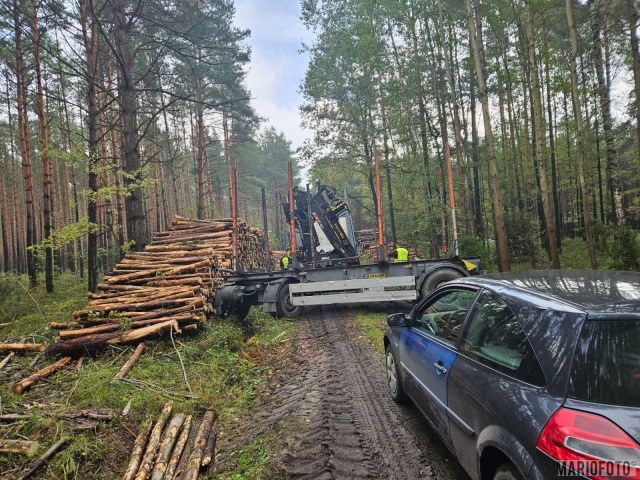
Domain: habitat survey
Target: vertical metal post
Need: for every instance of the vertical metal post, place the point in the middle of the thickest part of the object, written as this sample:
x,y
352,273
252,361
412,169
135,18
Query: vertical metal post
x,y
265,226
292,219
444,223
382,254
454,224
234,215
311,230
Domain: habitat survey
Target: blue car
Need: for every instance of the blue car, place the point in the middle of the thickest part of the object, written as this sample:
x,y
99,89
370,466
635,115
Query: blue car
x,y
527,375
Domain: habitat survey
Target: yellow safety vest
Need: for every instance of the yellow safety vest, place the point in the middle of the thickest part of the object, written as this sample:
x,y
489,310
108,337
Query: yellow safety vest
x,y
403,254
285,262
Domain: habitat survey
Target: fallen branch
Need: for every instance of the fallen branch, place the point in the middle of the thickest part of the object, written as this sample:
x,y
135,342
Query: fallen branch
x,y
90,343
25,383
154,441
195,459
6,360
49,453
11,417
83,332
127,366
21,347
184,372
209,448
20,447
138,450
29,293
179,448
166,446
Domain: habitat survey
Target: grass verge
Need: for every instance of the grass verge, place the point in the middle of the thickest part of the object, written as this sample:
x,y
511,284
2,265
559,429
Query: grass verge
x,y
221,366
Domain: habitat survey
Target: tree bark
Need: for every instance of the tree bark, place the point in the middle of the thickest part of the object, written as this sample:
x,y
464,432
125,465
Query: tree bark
x,y
575,95
497,210
617,211
635,53
541,144
134,202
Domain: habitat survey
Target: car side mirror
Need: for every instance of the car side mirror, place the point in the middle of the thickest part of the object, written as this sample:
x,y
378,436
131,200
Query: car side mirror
x,y
397,320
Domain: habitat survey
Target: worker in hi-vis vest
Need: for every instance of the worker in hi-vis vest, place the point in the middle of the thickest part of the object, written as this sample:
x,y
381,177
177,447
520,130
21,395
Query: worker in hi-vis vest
x,y
284,261
400,254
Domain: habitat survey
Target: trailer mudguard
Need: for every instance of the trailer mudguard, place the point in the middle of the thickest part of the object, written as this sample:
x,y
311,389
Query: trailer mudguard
x,y
271,294
445,266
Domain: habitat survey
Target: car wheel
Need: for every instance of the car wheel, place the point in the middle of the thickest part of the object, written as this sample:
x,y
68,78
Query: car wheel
x,y
394,381
507,471
435,279
285,309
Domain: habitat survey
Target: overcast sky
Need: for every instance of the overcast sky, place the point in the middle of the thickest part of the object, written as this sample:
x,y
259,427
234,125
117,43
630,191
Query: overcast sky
x,y
276,66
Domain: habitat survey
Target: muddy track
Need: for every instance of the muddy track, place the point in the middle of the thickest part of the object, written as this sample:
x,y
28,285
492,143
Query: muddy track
x,y
351,427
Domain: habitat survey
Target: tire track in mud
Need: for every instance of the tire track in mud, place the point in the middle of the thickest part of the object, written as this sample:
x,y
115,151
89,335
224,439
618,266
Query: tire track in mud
x,y
351,427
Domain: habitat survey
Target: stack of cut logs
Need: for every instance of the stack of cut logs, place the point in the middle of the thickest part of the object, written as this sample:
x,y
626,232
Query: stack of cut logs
x,y
166,450
367,243
168,286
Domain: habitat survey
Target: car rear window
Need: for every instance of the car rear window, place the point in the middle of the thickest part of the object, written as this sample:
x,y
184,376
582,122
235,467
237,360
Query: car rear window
x,y
606,367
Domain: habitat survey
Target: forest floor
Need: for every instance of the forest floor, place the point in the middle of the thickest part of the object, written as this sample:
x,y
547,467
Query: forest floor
x,y
304,398
330,411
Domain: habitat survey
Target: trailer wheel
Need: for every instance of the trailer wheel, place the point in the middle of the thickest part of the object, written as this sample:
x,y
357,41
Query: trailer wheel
x,y
437,278
285,309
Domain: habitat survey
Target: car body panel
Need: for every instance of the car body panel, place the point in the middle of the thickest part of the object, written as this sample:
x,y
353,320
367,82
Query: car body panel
x,y
426,385
528,408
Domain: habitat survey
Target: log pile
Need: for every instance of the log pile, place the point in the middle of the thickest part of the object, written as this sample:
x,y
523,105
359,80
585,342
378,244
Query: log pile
x,y
170,285
168,449
367,243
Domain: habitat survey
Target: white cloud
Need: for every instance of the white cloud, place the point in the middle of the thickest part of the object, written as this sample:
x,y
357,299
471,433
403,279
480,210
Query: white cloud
x,y
276,68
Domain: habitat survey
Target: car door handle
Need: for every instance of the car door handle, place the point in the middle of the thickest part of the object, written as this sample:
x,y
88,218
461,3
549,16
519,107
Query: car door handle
x,y
440,368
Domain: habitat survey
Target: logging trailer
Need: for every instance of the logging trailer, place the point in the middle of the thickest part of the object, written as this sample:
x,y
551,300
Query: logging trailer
x,y
325,268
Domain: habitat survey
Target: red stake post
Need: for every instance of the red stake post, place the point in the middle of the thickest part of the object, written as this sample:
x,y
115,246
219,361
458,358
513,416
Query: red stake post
x,y
382,254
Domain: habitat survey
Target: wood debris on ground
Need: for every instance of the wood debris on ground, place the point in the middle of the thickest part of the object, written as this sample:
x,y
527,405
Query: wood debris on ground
x,y
169,449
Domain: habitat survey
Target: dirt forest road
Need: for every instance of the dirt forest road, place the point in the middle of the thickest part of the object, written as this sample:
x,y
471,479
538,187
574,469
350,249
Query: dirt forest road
x,y
353,428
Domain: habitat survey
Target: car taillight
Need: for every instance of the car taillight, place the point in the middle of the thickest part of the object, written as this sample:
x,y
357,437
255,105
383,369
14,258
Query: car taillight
x,y
591,445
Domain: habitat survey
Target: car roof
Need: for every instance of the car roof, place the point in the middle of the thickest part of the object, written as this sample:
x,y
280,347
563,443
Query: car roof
x,y
598,292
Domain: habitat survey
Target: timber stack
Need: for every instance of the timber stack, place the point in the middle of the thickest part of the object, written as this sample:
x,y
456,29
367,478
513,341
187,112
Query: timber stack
x,y
367,245
168,287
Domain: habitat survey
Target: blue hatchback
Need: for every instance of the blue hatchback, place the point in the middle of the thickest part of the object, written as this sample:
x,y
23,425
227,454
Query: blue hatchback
x,y
527,375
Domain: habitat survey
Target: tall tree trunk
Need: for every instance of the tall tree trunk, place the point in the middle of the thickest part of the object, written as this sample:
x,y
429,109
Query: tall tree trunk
x,y
90,36
25,147
44,149
497,210
134,202
541,144
579,134
385,140
552,147
635,53
477,210
617,211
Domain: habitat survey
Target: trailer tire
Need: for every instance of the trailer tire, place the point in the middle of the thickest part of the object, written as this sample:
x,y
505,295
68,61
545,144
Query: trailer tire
x,y
285,309
435,279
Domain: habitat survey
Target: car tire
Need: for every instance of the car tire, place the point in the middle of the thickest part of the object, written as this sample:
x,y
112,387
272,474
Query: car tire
x,y
394,380
284,307
437,278
507,471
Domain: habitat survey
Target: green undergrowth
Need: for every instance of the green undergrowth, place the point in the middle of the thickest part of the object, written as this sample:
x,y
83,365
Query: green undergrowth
x,y
223,368
371,324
